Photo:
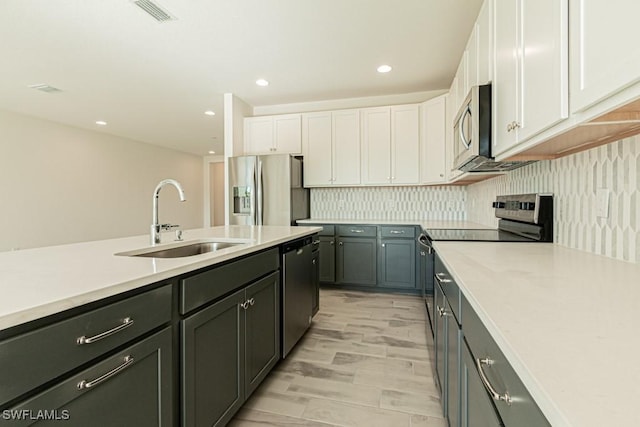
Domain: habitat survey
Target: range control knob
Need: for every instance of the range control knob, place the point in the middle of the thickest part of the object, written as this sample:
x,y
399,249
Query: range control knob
x,y
527,206
498,205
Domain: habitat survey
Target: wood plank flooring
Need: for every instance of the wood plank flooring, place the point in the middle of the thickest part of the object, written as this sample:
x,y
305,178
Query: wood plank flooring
x,y
366,361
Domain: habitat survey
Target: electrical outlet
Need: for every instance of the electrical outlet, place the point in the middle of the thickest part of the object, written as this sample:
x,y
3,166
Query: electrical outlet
x,y
602,203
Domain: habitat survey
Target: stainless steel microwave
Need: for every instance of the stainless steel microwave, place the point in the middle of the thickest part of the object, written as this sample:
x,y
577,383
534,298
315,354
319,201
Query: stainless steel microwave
x,y
472,130
472,135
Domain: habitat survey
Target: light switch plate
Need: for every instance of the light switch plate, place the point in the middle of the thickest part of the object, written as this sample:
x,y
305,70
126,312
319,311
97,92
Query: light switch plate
x,y
602,203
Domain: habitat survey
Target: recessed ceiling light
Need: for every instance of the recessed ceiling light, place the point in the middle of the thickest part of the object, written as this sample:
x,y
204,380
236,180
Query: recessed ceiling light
x,y
262,82
384,68
101,123
210,113
212,152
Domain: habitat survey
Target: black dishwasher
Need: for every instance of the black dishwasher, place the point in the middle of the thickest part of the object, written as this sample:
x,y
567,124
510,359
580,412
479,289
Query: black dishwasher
x,y
297,291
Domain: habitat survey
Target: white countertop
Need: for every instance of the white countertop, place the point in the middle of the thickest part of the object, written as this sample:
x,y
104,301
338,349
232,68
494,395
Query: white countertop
x,y
35,283
424,224
566,320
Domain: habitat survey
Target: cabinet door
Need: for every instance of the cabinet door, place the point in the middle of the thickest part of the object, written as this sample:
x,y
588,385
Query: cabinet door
x,y
452,366
262,335
462,81
132,387
405,144
440,343
316,143
484,35
433,140
327,259
544,62
315,274
287,133
346,157
505,97
476,409
258,135
605,54
213,363
376,145
472,56
357,261
397,265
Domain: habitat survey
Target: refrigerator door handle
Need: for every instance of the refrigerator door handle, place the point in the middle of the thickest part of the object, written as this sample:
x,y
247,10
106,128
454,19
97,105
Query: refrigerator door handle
x,y
254,213
260,195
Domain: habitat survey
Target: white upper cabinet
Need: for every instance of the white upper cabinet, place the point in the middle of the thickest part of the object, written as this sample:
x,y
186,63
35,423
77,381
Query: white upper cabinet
x,y
605,53
273,134
390,145
461,81
483,33
331,148
433,122
530,86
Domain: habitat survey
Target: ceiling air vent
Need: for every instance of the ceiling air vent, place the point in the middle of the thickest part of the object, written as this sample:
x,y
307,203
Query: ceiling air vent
x,y
45,88
155,10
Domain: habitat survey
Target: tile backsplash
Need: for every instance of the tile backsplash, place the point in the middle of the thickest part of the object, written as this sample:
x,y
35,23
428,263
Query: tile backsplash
x,y
389,203
574,180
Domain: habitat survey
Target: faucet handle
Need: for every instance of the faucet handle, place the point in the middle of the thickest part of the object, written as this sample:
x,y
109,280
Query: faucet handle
x,y
168,227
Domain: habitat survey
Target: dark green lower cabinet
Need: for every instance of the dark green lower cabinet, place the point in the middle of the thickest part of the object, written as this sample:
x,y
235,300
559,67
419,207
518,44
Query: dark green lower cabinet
x,y
327,259
476,408
357,260
397,263
228,349
132,387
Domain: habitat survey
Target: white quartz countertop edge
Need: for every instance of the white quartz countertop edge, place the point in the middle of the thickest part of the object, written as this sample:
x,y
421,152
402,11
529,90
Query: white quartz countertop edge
x,y
424,224
44,281
577,378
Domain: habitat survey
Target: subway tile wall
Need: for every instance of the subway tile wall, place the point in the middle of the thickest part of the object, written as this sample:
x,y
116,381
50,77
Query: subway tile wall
x,y
389,203
574,180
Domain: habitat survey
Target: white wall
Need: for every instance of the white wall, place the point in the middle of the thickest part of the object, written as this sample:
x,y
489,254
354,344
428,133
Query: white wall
x,y
60,184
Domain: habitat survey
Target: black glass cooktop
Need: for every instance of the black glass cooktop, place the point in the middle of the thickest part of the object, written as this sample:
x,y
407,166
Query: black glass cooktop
x,y
485,235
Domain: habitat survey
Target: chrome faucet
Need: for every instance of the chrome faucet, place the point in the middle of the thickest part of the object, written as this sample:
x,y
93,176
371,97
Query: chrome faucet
x,y
156,227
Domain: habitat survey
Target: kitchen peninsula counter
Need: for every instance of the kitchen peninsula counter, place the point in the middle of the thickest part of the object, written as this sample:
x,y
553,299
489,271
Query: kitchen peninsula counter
x,y
566,320
39,282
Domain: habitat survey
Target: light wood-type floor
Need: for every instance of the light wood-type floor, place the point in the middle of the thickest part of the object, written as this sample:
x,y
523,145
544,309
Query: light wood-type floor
x,y
366,361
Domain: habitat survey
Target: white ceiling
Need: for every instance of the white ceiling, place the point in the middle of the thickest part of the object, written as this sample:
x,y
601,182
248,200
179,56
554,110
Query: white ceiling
x,y
153,81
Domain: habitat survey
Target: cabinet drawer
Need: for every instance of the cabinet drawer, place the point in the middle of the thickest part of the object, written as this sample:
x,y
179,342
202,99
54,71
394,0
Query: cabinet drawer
x,y
522,410
398,231
357,230
136,390
327,230
449,288
31,359
204,287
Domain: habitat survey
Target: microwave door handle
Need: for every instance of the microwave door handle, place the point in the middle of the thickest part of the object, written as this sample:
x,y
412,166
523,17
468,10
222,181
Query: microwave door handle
x,y
467,112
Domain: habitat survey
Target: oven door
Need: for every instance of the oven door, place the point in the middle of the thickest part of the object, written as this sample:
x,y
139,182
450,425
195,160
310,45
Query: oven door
x,y
465,130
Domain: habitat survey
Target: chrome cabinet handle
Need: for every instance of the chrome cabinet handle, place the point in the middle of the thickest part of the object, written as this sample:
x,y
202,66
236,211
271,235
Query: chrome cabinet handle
x,y
340,243
423,253
396,232
441,311
313,262
126,322
84,384
245,305
383,245
353,230
440,280
251,301
492,391
332,243
316,242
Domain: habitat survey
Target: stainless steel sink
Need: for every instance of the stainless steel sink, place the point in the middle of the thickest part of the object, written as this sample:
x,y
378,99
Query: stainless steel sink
x,y
185,250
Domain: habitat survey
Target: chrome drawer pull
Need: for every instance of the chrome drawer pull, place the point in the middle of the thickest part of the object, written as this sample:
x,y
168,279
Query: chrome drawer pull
x,y
441,311
84,384
245,305
251,301
316,242
356,231
442,280
396,232
492,391
126,322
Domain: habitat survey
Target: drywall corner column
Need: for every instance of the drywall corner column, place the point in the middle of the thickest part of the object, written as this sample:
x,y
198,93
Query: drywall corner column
x,y
235,110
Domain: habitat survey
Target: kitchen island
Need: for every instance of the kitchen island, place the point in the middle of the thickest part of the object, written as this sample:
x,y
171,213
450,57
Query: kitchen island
x,y
89,327
565,320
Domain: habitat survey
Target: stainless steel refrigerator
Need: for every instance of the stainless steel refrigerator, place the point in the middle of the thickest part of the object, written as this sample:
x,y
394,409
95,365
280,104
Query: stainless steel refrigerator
x,y
267,190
